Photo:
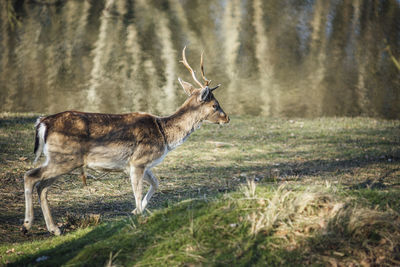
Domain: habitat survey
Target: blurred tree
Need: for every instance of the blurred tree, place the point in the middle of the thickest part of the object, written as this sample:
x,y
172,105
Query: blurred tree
x,y
392,57
12,17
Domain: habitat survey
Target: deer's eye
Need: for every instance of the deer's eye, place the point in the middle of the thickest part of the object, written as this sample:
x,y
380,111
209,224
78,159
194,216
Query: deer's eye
x,y
215,106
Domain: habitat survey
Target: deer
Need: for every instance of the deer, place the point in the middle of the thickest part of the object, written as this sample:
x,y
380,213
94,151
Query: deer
x,y
132,143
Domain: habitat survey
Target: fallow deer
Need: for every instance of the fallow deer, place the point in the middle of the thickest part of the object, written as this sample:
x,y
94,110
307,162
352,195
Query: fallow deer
x,y
134,143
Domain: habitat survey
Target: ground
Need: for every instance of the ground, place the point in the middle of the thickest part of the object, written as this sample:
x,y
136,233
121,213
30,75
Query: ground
x,y
359,157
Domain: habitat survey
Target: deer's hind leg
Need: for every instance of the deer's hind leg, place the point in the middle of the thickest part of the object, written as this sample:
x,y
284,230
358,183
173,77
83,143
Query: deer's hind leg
x,y
31,178
43,177
42,189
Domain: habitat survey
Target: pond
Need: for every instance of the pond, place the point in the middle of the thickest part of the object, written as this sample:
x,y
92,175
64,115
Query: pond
x,y
273,58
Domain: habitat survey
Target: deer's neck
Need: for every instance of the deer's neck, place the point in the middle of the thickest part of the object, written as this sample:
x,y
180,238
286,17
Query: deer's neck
x,y
178,127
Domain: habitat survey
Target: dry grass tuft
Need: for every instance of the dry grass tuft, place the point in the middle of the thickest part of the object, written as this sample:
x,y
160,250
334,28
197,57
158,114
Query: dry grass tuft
x,y
287,209
362,235
329,230
250,189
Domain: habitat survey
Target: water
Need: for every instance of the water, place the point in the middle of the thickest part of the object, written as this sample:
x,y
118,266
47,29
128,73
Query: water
x,y
273,58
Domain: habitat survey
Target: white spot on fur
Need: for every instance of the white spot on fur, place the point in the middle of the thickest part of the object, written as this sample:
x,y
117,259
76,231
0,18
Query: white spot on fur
x,y
42,130
46,154
38,121
41,133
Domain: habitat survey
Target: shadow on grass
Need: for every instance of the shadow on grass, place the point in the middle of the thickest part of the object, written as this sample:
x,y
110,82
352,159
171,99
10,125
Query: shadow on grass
x,y
316,167
108,208
108,237
62,253
378,182
142,240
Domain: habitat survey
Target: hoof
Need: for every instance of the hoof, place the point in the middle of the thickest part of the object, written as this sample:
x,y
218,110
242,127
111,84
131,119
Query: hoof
x,y
56,232
136,212
26,227
24,230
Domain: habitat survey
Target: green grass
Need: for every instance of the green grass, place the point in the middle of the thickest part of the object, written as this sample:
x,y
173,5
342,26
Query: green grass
x,y
205,211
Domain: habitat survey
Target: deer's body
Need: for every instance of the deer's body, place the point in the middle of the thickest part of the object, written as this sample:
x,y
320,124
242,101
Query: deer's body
x,y
133,143
102,141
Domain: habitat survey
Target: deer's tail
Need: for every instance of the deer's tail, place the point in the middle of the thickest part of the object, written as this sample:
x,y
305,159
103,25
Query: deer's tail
x,y
40,134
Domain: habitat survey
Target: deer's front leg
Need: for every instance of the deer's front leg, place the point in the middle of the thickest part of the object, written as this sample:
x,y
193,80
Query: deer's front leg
x,y
136,175
153,181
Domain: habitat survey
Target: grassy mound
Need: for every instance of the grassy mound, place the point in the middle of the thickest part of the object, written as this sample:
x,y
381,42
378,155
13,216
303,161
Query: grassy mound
x,y
257,225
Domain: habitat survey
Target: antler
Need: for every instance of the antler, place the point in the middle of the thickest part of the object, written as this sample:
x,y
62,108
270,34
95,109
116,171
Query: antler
x,y
206,81
184,61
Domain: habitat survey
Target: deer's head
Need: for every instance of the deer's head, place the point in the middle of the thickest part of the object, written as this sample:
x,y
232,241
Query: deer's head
x,y
202,98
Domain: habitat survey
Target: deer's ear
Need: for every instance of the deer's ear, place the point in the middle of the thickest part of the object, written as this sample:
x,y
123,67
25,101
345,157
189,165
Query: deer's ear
x,y
188,87
204,94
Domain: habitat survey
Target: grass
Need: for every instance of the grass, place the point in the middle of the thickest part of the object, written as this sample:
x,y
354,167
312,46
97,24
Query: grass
x,y
326,192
